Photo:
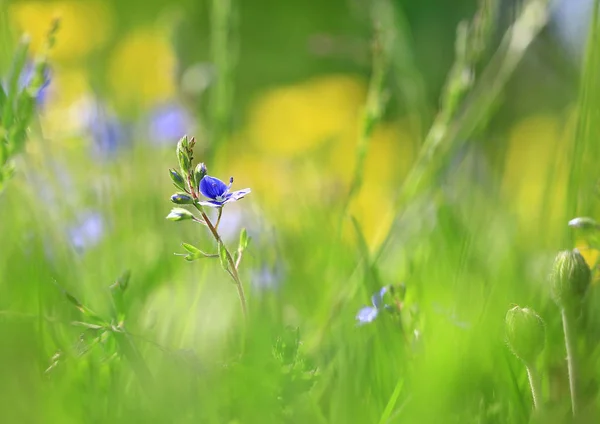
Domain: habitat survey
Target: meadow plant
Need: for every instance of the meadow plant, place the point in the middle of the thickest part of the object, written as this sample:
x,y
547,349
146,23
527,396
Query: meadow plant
x,y
20,94
131,351
194,181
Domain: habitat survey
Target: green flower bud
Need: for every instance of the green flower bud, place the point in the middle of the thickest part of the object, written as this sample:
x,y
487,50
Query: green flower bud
x,y
183,155
571,277
199,173
177,179
182,199
525,333
183,143
584,223
179,214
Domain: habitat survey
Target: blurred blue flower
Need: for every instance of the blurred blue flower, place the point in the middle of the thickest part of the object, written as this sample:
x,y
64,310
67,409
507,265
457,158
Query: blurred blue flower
x,y
266,278
108,133
25,79
218,193
87,232
369,313
167,123
571,19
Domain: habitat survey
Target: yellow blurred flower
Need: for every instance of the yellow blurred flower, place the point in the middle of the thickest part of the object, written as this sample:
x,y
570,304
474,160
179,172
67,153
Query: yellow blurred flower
x,y
535,177
300,153
294,119
142,69
84,25
389,156
373,209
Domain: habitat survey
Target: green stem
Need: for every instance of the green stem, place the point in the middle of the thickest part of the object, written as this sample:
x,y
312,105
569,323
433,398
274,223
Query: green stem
x,y
219,218
373,109
223,54
569,329
447,137
233,268
536,387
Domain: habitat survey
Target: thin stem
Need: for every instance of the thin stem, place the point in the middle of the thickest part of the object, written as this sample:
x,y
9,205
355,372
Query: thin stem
x,y
443,139
569,329
199,221
239,258
233,269
536,387
218,218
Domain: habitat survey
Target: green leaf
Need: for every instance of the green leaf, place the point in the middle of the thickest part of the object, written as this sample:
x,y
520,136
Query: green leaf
x,y
244,239
3,99
87,325
223,256
177,179
190,248
13,82
195,253
179,214
122,282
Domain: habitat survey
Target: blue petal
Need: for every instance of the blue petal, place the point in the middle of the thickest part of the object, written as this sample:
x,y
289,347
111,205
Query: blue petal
x,y
377,298
237,195
212,204
212,187
367,314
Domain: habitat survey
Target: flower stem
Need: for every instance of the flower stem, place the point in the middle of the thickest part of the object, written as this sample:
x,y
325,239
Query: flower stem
x,y
569,329
535,384
220,212
232,265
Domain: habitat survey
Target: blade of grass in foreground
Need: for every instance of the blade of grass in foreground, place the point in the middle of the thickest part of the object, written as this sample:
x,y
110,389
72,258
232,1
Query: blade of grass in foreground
x,y
447,136
584,174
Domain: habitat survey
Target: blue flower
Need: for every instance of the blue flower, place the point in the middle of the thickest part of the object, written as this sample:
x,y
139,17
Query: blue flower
x,y
267,278
87,232
369,313
26,78
218,193
168,122
108,133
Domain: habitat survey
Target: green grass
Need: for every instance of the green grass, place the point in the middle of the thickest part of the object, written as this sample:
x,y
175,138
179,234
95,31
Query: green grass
x,y
172,345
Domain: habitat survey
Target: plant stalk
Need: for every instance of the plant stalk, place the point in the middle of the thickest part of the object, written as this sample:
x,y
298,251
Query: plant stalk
x,y
569,330
233,271
536,387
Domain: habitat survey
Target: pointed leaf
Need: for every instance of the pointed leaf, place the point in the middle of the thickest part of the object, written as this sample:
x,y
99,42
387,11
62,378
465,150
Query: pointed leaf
x,y
223,256
244,239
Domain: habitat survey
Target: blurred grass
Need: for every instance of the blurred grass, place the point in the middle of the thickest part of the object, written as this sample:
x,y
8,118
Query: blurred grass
x,y
478,235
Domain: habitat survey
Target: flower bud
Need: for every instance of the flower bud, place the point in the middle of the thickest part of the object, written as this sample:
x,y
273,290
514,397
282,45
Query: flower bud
x,y
177,179
179,214
571,277
183,156
525,333
199,173
181,199
584,223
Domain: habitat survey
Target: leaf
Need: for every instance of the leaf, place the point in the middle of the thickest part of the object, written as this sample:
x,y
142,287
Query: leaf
x,y
190,248
244,240
223,256
195,253
122,282
87,325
